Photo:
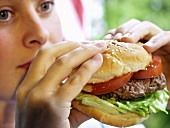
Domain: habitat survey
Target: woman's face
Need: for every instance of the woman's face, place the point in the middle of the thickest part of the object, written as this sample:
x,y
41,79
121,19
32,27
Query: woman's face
x,y
25,25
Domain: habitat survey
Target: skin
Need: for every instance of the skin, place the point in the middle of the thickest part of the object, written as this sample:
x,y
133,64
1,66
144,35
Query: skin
x,y
156,41
30,30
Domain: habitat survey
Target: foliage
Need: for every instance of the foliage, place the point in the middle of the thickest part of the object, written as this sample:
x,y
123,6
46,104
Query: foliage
x,y
120,11
158,120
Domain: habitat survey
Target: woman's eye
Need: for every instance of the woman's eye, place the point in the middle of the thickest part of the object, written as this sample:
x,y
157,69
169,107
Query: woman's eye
x,y
4,15
46,7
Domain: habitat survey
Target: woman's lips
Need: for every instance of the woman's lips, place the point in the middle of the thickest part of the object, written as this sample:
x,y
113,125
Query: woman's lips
x,y
25,66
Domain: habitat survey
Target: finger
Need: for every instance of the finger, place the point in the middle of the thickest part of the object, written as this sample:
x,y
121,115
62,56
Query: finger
x,y
144,30
64,65
124,28
109,34
112,36
118,36
41,64
112,31
75,83
108,37
46,57
158,41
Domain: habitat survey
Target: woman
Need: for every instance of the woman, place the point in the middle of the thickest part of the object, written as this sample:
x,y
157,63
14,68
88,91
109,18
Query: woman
x,y
30,37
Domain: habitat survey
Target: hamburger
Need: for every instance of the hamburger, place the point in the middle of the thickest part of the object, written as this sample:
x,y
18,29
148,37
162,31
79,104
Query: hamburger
x,y
129,86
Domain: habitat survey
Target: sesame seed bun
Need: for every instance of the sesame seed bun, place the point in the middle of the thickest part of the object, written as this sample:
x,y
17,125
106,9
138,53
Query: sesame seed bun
x,y
121,58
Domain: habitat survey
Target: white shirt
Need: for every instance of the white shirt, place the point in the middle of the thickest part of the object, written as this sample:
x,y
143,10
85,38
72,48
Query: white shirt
x,y
92,123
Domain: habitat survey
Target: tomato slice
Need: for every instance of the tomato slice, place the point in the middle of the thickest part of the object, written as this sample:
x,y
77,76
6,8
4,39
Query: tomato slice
x,y
152,70
109,86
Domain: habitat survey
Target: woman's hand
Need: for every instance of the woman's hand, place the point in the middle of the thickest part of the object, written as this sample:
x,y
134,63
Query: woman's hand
x,y
41,100
155,40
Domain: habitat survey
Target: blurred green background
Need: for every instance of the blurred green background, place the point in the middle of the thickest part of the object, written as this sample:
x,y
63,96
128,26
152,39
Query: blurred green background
x,y
156,11
120,11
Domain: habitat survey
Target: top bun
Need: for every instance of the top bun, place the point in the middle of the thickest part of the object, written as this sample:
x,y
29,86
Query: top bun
x,y
121,58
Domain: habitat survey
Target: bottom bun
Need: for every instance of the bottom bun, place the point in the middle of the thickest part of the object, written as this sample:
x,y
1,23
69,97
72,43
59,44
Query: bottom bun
x,y
119,120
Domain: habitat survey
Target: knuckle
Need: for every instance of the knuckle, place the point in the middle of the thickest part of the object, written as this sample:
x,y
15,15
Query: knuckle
x,y
86,47
165,33
147,23
43,51
62,61
36,95
19,93
33,96
151,26
86,67
90,49
112,31
120,29
93,49
134,20
75,80
82,76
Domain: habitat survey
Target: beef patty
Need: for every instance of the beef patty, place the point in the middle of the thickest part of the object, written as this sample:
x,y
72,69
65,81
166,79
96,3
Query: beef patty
x,y
138,88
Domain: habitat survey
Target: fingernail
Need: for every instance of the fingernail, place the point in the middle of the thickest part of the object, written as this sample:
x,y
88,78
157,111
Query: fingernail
x,y
108,37
118,36
97,57
86,42
128,38
149,46
100,44
149,43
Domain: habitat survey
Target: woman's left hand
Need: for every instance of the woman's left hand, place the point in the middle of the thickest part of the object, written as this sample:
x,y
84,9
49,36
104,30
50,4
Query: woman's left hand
x,y
155,40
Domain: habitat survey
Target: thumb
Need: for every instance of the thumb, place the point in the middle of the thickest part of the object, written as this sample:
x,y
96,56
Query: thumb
x,y
157,41
149,46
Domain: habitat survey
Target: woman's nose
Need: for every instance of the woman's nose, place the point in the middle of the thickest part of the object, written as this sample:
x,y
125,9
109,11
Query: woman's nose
x,y
36,34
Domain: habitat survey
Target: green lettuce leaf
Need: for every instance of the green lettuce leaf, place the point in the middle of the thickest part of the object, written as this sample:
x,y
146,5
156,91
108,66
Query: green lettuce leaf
x,y
151,103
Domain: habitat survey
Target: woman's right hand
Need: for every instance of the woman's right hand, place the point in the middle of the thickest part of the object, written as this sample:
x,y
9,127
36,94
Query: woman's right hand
x,y
41,100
